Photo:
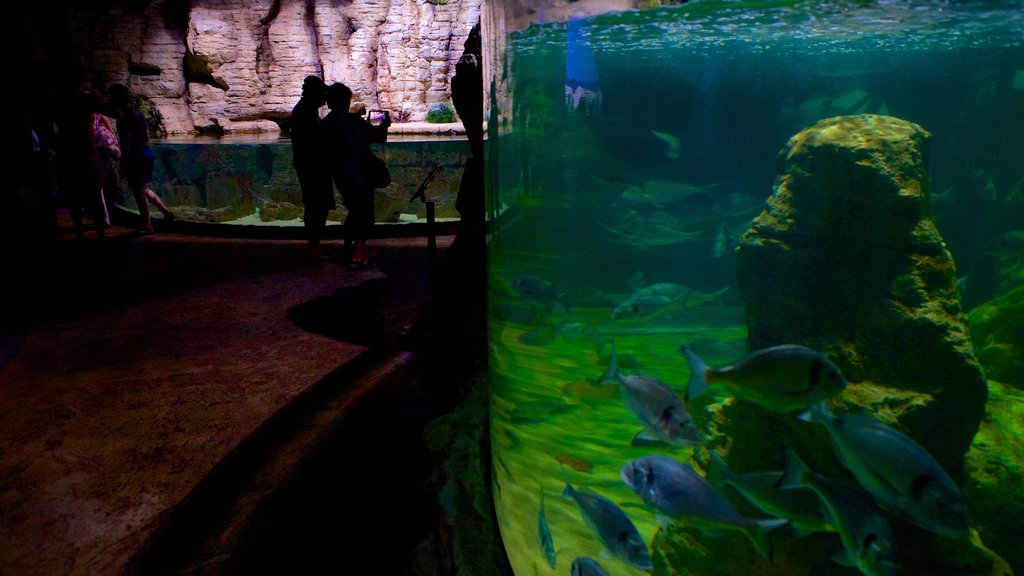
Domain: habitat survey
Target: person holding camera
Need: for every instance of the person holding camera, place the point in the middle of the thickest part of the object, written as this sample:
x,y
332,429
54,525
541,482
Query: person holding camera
x,y
346,138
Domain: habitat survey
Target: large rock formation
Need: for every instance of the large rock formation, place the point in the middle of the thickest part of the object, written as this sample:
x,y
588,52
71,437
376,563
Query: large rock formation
x,y
845,259
227,65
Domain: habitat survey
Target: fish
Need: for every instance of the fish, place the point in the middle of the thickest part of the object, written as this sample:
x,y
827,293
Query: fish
x,y
786,378
584,566
677,491
638,230
661,193
651,300
799,505
616,530
903,477
540,290
867,538
673,150
547,543
663,415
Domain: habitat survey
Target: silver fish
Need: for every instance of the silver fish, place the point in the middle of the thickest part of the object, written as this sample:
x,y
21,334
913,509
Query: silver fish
x,y
651,300
903,477
785,378
866,536
540,290
646,231
615,529
584,566
661,193
798,505
663,415
676,490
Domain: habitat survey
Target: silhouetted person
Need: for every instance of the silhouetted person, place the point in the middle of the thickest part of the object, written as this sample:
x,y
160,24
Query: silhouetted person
x,y
78,158
346,139
136,155
310,162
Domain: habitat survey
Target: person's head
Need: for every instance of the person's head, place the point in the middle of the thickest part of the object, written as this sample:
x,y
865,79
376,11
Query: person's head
x,y
314,89
339,97
119,95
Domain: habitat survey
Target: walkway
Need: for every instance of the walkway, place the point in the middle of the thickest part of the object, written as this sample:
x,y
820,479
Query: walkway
x,y
149,360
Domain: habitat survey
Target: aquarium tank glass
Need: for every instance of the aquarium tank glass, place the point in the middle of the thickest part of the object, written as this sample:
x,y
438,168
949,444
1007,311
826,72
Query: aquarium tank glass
x,y
756,300
249,180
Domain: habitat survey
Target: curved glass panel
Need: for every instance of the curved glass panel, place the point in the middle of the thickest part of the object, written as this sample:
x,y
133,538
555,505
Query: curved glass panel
x,y
635,173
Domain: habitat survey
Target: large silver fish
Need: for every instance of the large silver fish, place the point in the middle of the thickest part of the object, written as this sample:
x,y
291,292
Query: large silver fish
x,y
903,477
615,529
648,230
651,300
677,491
866,536
663,415
785,378
799,505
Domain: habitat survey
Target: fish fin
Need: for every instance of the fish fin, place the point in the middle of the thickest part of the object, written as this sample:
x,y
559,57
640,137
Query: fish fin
x,y
644,439
761,535
817,412
698,384
718,473
795,470
612,373
568,491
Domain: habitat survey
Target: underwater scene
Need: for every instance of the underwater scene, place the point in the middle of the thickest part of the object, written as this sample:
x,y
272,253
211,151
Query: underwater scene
x,y
251,181
756,301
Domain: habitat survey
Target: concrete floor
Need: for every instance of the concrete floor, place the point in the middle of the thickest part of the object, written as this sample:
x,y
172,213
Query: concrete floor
x,y
139,375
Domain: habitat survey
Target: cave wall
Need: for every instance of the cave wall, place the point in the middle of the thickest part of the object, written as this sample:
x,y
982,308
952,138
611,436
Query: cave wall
x,y
238,65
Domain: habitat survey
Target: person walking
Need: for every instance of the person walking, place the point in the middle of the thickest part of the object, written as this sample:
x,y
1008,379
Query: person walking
x,y
136,155
346,138
310,163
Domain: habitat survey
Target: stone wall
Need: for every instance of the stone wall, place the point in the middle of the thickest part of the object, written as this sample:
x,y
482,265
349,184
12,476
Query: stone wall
x,y
236,65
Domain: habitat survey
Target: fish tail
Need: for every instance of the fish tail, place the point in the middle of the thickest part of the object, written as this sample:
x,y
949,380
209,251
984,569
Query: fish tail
x,y
698,385
612,373
795,471
569,491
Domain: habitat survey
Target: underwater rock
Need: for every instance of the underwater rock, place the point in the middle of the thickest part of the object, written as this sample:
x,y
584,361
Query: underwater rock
x,y
273,211
997,328
846,260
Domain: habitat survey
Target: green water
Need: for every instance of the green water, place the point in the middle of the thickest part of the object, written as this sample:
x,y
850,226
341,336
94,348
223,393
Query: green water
x,y
657,182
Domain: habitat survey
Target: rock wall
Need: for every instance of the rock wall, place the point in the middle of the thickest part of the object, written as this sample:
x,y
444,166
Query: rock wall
x,y
236,65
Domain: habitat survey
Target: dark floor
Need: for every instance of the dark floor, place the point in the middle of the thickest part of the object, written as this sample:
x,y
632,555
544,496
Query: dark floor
x,y
173,404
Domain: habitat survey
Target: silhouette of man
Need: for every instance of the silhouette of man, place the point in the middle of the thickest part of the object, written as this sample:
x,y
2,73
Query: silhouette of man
x,y
309,161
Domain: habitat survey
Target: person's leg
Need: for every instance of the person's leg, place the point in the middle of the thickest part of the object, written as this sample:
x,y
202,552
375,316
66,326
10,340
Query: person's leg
x,y
155,199
139,192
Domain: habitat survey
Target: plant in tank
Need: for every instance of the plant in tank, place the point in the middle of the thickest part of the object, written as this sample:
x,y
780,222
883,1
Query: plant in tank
x,y
441,113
